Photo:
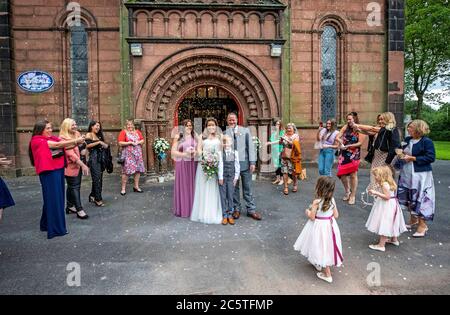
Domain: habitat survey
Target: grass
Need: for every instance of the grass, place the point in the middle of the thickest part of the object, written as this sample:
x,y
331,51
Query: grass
x,y
442,150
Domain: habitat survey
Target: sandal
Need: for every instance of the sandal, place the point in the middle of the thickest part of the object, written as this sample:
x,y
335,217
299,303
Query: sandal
x,y
347,196
351,200
295,189
286,191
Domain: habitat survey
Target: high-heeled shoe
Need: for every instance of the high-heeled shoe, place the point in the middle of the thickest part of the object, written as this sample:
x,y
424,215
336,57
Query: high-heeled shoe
x,y
70,210
82,217
421,234
99,203
91,199
138,190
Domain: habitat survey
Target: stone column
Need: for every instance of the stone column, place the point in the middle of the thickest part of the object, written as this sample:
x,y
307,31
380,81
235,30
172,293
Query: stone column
x,y
8,114
396,47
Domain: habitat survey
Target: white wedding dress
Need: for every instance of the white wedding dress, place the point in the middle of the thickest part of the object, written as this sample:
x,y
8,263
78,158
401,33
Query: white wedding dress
x,y
207,207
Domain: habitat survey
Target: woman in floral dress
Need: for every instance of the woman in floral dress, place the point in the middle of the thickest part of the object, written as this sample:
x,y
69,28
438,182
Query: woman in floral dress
x,y
416,191
131,141
349,157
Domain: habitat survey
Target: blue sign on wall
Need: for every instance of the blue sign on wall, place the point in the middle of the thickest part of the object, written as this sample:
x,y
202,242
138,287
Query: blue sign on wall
x,y
35,81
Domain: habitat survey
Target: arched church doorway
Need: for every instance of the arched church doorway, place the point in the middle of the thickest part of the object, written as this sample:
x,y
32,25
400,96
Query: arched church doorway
x,y
207,101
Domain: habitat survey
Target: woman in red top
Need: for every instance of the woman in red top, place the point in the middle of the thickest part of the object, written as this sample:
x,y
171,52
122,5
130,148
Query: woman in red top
x,y
47,156
131,141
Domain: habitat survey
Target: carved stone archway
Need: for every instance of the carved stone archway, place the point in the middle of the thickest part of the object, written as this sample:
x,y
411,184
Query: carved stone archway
x,y
165,86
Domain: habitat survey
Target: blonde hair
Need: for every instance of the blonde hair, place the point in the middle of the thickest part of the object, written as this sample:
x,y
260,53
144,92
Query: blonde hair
x,y
292,125
129,120
383,174
420,127
389,120
227,137
66,127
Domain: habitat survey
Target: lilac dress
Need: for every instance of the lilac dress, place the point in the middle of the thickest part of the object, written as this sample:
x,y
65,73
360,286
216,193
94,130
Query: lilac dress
x,y
185,168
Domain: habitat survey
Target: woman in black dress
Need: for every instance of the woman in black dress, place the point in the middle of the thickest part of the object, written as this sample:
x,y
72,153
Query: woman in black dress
x,y
96,145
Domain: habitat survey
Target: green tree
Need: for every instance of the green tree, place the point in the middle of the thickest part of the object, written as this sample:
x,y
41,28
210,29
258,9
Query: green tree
x,y
427,51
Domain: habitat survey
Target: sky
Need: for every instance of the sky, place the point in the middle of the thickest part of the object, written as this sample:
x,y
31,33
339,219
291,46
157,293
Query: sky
x,y
438,88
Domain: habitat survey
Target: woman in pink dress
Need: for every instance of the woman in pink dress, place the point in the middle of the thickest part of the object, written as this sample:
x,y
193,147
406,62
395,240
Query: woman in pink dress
x,y
183,153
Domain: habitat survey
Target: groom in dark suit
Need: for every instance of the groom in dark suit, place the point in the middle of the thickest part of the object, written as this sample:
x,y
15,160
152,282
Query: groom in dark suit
x,y
243,143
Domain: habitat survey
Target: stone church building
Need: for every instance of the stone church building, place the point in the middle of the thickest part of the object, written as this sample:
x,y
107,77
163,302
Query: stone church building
x,y
161,61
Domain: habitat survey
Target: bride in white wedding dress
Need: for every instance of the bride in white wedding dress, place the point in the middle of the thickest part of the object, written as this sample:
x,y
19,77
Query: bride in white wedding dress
x,y
207,207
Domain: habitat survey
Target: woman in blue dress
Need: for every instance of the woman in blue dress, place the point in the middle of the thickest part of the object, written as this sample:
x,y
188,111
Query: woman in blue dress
x,y
6,200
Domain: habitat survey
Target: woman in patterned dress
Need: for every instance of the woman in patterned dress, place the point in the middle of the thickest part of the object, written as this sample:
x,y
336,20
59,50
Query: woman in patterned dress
x,y
416,191
349,157
387,139
131,141
291,156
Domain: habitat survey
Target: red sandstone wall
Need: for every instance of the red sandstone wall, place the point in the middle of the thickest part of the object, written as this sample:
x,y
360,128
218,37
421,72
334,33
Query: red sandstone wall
x,y
361,62
40,45
362,57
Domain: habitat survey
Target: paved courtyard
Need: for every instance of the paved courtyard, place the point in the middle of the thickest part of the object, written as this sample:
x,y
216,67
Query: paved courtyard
x,y
135,245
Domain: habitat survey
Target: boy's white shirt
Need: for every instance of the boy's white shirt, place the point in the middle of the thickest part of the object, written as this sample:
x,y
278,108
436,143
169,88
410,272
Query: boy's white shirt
x,y
237,165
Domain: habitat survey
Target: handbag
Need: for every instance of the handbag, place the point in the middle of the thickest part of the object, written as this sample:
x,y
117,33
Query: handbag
x,y
303,175
318,145
120,156
370,155
57,153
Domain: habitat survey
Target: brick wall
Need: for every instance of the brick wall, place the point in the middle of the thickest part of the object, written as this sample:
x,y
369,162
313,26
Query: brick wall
x,y
361,66
41,42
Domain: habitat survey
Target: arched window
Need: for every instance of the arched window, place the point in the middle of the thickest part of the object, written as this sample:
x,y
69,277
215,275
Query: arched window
x,y
79,73
328,83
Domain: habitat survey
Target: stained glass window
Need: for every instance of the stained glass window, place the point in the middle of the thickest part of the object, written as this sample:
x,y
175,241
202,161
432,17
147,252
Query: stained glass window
x,y
328,77
79,74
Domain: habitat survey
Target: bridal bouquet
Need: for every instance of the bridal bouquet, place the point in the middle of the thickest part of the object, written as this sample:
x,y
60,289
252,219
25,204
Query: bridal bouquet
x,y
210,164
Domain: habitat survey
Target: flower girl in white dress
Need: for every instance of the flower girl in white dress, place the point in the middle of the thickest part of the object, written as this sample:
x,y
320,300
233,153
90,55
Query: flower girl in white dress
x,y
207,206
386,218
320,239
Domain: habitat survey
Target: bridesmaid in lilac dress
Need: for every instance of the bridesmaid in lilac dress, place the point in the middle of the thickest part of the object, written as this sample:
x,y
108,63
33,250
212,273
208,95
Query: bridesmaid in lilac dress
x,y
183,153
